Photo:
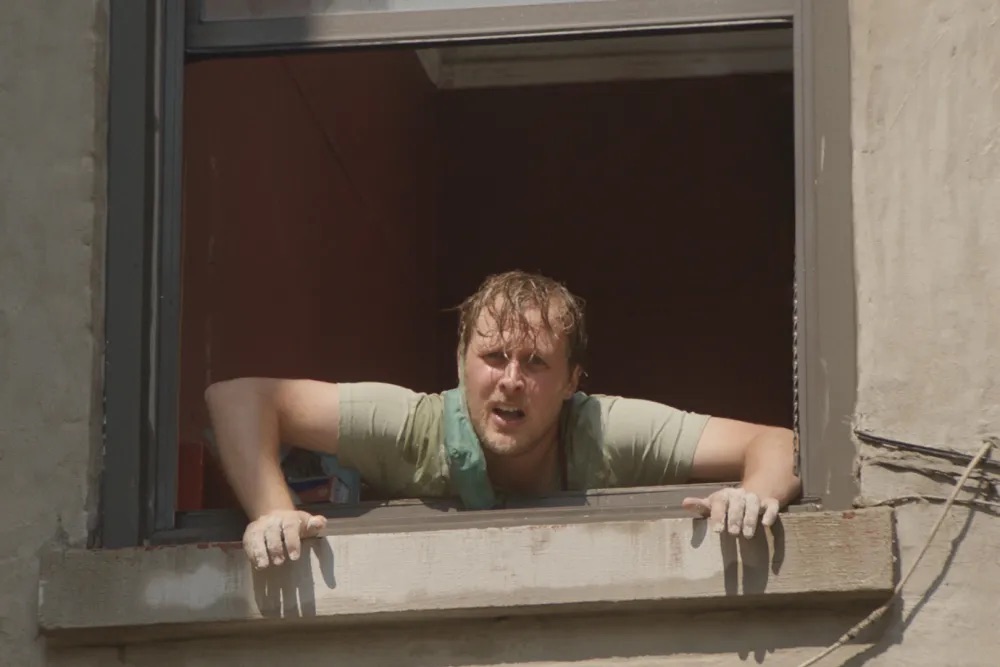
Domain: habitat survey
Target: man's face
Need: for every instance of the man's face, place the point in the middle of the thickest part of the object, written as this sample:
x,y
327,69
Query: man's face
x,y
515,384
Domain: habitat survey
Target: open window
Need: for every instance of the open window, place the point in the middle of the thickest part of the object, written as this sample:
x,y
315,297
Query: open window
x,y
326,180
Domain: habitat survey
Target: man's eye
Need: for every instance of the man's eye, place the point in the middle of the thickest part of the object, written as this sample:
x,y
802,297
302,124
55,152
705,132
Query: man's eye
x,y
535,361
493,358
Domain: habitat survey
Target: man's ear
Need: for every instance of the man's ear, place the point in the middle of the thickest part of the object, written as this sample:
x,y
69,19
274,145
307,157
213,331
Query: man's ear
x,y
574,382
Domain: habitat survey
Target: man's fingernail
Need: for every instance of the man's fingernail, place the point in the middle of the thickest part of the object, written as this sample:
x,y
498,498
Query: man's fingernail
x,y
293,555
748,532
717,527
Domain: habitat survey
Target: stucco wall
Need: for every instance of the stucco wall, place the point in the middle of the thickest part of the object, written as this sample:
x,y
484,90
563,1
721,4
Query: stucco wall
x,y
926,133
927,200
52,87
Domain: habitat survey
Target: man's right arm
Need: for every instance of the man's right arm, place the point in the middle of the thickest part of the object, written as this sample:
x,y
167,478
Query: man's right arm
x,y
251,419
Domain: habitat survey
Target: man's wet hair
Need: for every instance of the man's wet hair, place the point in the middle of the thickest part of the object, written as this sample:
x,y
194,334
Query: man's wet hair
x,y
507,296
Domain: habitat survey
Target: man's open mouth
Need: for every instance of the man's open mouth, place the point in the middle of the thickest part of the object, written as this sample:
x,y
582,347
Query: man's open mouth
x,y
507,413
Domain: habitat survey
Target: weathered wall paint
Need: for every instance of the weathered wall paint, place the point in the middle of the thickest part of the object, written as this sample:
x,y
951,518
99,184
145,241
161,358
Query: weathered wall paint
x,y
334,219
668,205
614,640
308,227
926,134
926,171
52,132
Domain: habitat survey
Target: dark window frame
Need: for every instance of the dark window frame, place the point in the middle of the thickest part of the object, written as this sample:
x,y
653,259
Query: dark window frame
x,y
142,305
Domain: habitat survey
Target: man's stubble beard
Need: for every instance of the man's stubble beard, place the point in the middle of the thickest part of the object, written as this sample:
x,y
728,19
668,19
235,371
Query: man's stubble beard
x,y
509,447
504,445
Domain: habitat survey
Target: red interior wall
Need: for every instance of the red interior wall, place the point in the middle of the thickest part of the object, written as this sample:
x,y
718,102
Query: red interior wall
x,y
668,205
335,205
308,224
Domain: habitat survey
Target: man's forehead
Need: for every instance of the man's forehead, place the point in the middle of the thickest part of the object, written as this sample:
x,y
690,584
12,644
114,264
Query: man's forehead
x,y
526,327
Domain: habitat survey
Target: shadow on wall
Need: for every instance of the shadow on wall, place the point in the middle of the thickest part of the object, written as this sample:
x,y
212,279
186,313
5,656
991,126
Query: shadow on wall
x,y
291,592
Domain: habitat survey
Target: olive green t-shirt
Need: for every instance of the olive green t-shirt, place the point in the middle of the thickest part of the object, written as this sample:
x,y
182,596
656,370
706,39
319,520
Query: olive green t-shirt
x,y
394,438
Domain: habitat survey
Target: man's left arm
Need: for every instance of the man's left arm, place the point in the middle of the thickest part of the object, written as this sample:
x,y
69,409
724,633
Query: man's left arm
x,y
762,458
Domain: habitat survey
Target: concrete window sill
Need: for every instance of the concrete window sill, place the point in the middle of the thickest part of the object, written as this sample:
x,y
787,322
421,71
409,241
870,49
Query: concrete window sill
x,y
119,596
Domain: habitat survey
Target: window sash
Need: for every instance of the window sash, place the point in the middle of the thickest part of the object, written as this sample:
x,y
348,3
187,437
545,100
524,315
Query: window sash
x,y
221,26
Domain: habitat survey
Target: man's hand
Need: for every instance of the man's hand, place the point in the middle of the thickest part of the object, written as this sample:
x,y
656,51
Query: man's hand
x,y
737,509
270,537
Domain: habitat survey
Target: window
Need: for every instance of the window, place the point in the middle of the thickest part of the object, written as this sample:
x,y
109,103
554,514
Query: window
x,y
463,53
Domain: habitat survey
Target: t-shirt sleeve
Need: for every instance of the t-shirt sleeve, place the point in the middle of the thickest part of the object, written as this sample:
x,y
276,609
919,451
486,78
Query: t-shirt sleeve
x,y
392,437
648,443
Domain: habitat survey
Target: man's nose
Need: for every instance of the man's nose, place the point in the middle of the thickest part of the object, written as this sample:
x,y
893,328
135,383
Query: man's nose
x,y
512,377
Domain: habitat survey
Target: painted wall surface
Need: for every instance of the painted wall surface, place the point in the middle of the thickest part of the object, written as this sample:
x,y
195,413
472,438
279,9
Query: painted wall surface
x,y
926,120
314,200
303,175
337,208
308,229
926,134
53,77
668,205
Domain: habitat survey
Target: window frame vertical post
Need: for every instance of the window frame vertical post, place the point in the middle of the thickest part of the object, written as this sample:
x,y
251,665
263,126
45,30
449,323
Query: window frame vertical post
x,y
131,172
169,237
142,281
827,320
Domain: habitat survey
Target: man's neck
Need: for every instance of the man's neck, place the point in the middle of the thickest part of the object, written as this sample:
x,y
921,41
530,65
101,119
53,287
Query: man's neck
x,y
533,473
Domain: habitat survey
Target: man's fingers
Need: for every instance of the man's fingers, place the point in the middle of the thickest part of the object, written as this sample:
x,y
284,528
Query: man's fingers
x,y
770,512
717,518
299,526
735,511
737,506
273,540
253,544
751,514
699,505
312,526
290,527
277,537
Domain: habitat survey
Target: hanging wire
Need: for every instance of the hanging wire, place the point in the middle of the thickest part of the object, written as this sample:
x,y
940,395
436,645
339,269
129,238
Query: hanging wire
x,y
878,613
